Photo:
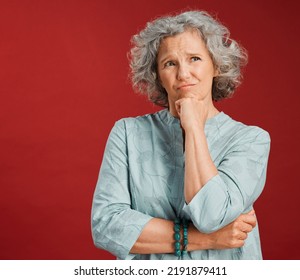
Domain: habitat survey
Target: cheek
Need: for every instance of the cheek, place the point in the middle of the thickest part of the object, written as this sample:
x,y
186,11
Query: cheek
x,y
160,77
164,80
207,76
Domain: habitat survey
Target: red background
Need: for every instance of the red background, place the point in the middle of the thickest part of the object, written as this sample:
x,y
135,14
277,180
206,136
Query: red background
x,y
64,84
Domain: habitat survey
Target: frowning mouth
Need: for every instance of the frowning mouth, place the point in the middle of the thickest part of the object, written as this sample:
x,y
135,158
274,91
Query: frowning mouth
x,y
186,86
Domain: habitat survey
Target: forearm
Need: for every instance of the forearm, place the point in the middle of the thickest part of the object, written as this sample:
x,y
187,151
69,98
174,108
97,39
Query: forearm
x,y
157,237
199,167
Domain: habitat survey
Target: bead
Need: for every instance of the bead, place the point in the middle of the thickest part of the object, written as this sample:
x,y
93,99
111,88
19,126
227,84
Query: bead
x,y
177,236
178,253
176,227
177,245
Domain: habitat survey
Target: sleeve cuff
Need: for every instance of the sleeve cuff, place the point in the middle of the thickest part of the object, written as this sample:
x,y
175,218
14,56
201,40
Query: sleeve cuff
x,y
208,206
118,234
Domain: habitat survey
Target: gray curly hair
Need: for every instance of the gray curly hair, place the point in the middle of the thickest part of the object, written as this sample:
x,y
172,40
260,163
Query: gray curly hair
x,y
228,57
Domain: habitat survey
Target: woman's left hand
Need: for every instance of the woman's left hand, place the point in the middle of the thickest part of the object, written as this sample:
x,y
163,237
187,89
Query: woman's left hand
x,y
234,234
192,112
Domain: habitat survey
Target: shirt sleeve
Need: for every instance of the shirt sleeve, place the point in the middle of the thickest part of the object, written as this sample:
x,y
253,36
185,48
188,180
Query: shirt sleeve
x,y
115,226
240,180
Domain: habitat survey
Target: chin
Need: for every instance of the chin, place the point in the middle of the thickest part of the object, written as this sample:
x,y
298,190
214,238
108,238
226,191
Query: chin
x,y
190,95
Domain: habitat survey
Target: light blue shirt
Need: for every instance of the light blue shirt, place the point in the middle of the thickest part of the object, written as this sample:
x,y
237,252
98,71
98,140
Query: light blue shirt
x,y
142,176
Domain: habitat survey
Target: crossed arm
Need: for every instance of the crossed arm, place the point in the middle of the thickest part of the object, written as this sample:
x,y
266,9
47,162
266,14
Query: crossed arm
x,y
157,236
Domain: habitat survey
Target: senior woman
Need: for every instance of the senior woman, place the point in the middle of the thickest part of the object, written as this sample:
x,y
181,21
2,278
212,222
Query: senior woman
x,y
181,183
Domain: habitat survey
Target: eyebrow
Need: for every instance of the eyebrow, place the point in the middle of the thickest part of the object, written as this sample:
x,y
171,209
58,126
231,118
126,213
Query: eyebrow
x,y
169,56
165,59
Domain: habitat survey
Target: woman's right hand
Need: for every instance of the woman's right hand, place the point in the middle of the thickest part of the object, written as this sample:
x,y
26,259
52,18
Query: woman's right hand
x,y
234,234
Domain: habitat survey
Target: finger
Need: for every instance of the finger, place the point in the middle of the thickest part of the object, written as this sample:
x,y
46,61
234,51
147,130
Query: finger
x,y
252,212
242,235
238,243
246,227
249,219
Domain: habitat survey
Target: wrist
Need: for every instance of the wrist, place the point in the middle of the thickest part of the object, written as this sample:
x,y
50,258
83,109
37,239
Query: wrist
x,y
199,240
192,127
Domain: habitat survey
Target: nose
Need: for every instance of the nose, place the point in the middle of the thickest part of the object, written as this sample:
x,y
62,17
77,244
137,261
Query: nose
x,y
183,72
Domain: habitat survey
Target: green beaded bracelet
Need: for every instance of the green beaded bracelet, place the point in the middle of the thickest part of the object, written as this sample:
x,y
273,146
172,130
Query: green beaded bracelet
x,y
177,237
185,236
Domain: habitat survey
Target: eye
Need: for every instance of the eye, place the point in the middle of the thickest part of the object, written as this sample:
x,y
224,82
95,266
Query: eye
x,y
195,58
169,63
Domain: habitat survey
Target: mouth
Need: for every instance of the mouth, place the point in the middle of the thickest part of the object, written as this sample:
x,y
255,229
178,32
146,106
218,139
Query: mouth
x,y
186,86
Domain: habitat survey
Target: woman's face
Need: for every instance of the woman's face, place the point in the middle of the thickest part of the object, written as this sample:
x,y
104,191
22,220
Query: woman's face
x,y
185,68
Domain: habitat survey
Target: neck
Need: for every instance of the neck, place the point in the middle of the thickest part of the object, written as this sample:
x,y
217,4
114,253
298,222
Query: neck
x,y
212,112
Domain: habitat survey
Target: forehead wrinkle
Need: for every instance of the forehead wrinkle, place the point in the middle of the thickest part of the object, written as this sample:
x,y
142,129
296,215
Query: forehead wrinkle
x,y
178,45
